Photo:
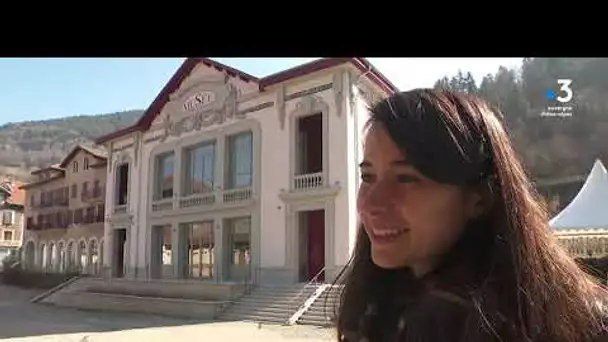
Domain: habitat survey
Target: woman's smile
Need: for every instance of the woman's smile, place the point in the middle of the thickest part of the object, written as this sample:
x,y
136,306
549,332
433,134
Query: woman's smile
x,y
386,235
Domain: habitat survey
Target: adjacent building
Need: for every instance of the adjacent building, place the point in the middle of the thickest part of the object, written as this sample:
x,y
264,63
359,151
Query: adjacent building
x,y
582,226
65,211
228,177
559,192
11,218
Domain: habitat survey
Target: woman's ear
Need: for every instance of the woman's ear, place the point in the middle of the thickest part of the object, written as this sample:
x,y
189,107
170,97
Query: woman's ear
x,y
481,201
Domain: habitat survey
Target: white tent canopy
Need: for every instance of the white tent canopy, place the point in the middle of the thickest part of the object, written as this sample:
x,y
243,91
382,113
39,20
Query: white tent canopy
x,y
589,209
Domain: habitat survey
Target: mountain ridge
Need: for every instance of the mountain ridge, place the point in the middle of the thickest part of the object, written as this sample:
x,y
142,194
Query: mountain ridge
x,y
29,145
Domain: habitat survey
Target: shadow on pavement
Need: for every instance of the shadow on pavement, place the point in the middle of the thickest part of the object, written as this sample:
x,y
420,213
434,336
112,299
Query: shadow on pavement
x,y
20,318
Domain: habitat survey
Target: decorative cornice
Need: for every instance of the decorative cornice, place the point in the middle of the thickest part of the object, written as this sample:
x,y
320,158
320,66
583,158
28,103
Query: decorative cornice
x,y
309,91
310,105
338,84
281,106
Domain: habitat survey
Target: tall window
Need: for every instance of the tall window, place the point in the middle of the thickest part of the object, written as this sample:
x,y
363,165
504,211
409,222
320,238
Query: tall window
x,y
200,162
101,212
240,160
78,216
200,249
7,218
75,166
85,190
164,175
239,240
122,183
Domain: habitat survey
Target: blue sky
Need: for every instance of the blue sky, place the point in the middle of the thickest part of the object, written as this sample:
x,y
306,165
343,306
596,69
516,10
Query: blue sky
x,y
44,88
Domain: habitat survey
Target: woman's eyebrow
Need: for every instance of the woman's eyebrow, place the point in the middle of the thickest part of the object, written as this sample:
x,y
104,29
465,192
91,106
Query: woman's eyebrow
x,y
401,162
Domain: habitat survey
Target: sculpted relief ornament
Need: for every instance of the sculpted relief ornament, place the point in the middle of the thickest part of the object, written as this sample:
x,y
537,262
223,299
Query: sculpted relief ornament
x,y
310,104
205,108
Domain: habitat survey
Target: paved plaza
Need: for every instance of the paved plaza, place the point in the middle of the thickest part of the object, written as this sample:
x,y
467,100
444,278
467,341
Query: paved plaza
x,y
21,320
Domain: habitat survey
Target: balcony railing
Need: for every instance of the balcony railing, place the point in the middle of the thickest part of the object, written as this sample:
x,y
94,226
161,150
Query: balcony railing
x,y
236,195
62,202
93,194
65,219
307,182
10,243
120,209
218,197
197,200
163,204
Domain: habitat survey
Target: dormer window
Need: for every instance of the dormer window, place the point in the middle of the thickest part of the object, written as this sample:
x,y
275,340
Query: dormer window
x,y
75,166
85,165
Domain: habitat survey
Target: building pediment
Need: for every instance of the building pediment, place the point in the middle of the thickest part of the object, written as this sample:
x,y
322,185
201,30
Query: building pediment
x,y
198,94
204,102
96,152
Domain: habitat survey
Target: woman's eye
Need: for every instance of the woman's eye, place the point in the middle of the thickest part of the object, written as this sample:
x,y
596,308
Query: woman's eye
x,y
406,179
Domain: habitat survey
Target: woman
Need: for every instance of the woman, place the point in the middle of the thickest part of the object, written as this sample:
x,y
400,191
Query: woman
x,y
453,244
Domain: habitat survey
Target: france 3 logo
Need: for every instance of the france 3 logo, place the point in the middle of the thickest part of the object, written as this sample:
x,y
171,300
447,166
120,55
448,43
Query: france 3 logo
x,y
564,94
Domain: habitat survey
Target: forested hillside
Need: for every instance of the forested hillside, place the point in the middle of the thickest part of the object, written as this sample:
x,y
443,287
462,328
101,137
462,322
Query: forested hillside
x,y
550,146
28,145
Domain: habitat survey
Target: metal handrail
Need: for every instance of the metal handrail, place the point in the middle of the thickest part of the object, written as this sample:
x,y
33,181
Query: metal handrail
x,y
310,282
250,279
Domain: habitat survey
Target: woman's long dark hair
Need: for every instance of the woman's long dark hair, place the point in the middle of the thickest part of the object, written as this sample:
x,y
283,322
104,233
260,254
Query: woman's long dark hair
x,y
521,284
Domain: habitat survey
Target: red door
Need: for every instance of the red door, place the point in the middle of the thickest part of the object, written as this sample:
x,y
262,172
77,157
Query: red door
x,y
316,243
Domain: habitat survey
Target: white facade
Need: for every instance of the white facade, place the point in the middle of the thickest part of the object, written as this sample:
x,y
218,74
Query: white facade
x,y
240,213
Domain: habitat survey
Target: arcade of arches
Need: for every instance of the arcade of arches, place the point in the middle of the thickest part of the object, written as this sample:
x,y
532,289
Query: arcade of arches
x,y
586,246
82,256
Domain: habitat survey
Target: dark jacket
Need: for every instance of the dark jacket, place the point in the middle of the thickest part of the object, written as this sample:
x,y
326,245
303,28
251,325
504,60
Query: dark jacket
x,y
437,317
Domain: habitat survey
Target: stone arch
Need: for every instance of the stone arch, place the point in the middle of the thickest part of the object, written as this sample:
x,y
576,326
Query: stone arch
x,y
597,246
591,246
102,254
93,255
570,246
29,254
42,255
70,255
82,255
53,256
61,255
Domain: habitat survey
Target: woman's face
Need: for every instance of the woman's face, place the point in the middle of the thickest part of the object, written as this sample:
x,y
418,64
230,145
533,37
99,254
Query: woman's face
x,y
411,220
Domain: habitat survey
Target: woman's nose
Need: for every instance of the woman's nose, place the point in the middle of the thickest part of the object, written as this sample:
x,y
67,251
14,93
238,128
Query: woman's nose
x,y
376,200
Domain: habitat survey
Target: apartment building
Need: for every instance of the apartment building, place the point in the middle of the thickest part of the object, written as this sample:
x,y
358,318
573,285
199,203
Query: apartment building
x,y
229,178
11,218
65,212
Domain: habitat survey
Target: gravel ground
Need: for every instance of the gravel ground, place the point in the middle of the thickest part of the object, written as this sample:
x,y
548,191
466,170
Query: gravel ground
x,y
21,320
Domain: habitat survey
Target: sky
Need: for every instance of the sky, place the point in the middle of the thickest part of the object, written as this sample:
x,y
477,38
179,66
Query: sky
x,y
45,88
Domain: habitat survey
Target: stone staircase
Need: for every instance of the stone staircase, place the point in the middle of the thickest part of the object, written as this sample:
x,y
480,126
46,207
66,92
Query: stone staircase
x,y
321,311
268,304
187,300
